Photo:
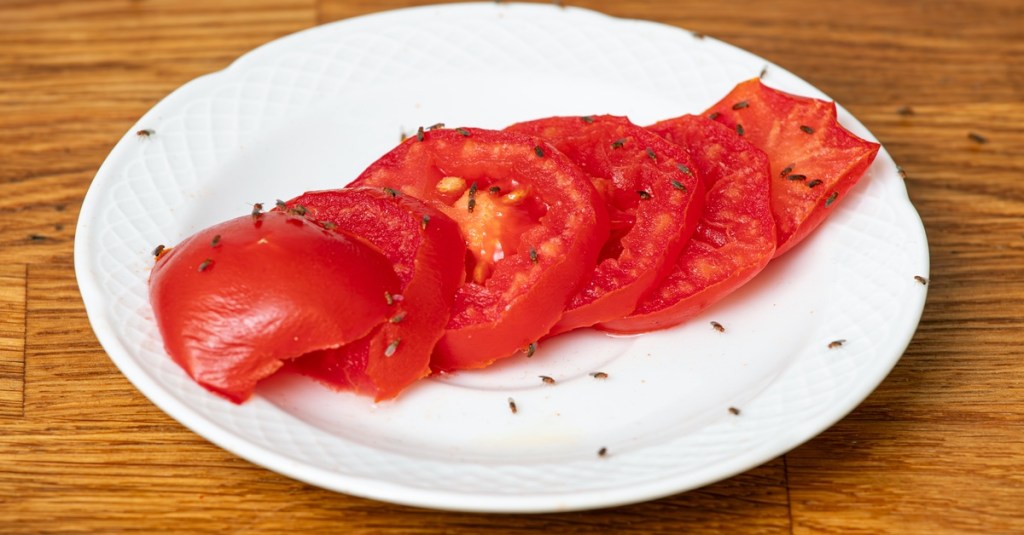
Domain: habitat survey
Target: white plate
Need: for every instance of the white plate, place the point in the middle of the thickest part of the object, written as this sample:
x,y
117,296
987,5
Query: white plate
x,y
312,109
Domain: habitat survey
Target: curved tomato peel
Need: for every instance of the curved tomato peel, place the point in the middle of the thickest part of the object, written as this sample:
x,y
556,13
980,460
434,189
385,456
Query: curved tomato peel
x,y
235,300
427,250
532,220
735,238
814,160
654,199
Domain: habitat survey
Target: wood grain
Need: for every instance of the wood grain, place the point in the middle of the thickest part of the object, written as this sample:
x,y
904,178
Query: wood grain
x,y
936,448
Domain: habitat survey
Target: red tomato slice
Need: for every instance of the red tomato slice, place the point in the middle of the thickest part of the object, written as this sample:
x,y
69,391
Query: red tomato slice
x,y
814,160
532,222
654,200
235,300
427,251
735,238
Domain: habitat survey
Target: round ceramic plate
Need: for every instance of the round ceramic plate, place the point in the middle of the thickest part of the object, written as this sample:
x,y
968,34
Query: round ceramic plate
x,y
311,110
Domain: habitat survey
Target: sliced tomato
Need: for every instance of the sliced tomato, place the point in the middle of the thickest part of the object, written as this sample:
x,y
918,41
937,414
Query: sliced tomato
x,y
235,300
735,238
814,160
532,222
654,200
427,251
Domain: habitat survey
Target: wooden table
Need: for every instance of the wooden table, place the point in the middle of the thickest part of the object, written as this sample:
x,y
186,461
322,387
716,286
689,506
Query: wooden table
x,y
938,447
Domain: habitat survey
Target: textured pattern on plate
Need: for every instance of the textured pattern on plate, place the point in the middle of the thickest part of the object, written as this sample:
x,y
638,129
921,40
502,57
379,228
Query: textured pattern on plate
x,y
305,111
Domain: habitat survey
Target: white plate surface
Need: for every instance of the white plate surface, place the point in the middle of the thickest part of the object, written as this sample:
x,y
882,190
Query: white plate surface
x,y
311,110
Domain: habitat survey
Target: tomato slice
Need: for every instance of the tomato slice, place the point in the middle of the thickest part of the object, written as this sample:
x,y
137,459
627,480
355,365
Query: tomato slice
x,y
735,238
532,221
427,250
814,160
654,200
235,300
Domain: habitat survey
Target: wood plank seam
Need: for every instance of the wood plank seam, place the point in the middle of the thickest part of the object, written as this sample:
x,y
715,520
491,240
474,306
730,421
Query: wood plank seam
x,y
789,499
13,339
24,335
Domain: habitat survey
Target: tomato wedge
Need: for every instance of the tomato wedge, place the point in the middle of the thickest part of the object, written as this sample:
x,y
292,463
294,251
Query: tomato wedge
x,y
735,238
427,250
654,200
532,222
814,160
235,300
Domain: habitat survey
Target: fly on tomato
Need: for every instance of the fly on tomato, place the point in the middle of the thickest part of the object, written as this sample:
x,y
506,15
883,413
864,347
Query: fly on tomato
x,y
814,160
735,237
234,301
426,250
532,222
654,199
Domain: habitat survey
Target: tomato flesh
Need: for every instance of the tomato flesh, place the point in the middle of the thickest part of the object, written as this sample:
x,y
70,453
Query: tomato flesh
x,y
735,237
235,300
523,265
654,199
426,250
814,160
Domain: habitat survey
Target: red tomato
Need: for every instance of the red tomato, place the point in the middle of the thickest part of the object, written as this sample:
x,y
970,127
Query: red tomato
x,y
654,199
814,160
532,222
235,300
735,238
427,252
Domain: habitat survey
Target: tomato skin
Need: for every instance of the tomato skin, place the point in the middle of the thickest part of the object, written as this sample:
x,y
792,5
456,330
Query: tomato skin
x,y
540,268
735,238
270,288
653,203
427,251
802,138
